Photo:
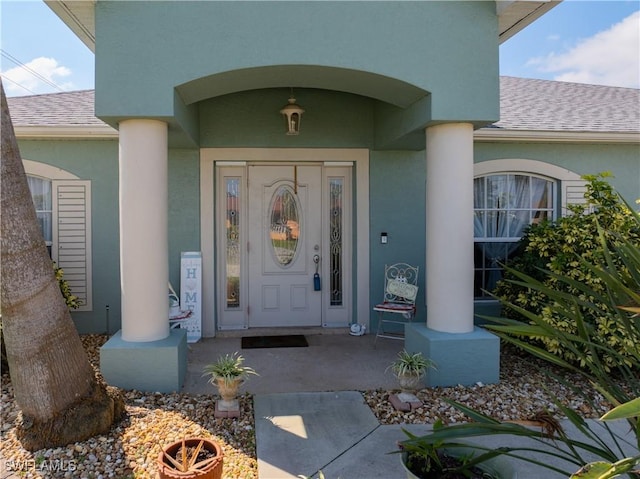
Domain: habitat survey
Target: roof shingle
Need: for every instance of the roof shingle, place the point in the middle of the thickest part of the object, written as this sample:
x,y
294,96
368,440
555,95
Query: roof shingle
x,y
75,108
544,105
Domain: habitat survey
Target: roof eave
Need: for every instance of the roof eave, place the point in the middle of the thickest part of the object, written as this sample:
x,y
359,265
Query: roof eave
x,y
485,135
546,136
65,132
79,16
515,15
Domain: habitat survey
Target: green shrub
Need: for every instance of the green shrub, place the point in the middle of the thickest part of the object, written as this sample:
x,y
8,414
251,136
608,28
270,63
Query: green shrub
x,y
563,248
73,302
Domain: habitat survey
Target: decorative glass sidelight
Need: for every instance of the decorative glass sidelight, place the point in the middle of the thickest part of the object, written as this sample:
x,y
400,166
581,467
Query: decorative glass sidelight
x,y
335,240
233,242
284,228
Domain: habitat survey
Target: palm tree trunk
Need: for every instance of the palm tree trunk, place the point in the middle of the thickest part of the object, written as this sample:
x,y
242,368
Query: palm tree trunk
x,y
55,385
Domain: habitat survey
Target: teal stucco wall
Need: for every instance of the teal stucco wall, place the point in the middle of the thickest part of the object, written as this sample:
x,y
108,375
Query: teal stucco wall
x,y
396,52
253,119
397,207
95,160
184,208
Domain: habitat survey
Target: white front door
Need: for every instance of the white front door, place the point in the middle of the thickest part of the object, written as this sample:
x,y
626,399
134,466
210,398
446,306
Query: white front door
x,y
274,216
285,244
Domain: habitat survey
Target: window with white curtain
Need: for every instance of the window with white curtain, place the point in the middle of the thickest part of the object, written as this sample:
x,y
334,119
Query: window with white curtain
x,y
504,205
42,199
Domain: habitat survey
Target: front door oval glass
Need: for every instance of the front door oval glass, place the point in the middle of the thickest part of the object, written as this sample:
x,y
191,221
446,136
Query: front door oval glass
x,y
284,226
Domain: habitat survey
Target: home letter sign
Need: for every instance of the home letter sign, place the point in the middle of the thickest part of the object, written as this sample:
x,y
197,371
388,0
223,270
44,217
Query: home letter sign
x,y
191,293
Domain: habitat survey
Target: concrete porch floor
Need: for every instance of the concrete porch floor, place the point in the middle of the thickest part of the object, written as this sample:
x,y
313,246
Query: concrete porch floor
x,y
333,361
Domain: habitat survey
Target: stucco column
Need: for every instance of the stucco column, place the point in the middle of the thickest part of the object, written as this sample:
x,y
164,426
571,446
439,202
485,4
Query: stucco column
x,y
144,261
449,223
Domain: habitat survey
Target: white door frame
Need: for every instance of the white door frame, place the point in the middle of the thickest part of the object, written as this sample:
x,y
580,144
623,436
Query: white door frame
x,y
210,157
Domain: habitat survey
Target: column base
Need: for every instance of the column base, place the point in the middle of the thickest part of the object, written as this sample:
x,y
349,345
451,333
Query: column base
x,y
461,358
155,366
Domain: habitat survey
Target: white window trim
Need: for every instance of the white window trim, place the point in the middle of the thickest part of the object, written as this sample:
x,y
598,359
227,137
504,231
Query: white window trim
x,y
35,168
60,177
572,186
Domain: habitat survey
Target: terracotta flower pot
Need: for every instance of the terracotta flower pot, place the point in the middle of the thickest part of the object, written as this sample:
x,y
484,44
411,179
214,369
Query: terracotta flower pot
x,y
208,470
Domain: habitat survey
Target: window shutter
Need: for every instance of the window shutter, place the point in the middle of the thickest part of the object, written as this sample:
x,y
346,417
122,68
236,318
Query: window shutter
x,y
71,248
572,194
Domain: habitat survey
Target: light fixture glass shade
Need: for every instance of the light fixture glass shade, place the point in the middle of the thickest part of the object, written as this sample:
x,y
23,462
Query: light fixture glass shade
x,y
293,115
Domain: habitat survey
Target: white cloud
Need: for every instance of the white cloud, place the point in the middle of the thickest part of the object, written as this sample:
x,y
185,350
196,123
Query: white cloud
x,y
47,68
611,57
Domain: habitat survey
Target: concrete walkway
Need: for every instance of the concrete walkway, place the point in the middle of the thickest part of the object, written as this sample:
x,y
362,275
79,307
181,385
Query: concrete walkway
x,y
300,434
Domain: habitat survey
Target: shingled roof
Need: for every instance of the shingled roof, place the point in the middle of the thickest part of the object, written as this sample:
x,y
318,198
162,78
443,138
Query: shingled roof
x,y
525,105
544,105
75,108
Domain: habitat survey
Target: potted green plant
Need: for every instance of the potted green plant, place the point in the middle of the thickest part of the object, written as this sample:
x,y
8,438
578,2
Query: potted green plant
x,y
228,373
409,369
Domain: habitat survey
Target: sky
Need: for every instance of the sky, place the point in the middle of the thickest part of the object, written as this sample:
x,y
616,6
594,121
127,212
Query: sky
x,y
584,41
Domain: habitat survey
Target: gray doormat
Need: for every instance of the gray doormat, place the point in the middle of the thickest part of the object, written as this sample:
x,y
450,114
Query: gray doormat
x,y
289,341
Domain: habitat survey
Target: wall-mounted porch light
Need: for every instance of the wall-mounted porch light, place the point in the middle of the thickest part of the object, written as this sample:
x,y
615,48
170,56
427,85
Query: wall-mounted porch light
x,y
292,114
